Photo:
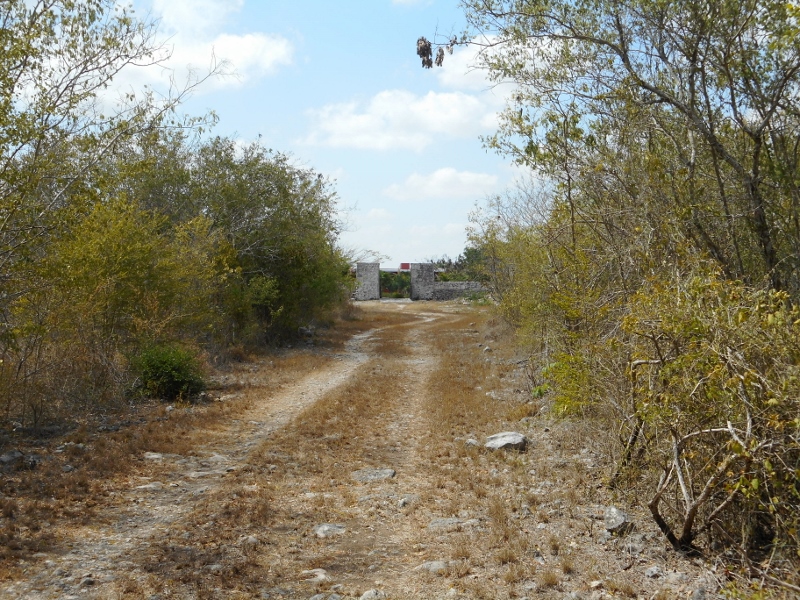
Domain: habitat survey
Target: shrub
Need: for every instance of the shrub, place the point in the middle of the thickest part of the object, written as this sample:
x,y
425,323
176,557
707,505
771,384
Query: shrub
x,y
169,372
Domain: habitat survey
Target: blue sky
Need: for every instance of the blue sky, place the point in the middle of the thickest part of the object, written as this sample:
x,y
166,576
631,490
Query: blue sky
x,y
338,86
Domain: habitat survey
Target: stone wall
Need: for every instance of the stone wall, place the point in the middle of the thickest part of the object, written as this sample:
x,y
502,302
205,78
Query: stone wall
x,y
423,284
423,281
450,290
368,281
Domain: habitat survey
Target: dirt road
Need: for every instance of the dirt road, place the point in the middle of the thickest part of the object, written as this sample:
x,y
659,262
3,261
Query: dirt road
x,y
363,475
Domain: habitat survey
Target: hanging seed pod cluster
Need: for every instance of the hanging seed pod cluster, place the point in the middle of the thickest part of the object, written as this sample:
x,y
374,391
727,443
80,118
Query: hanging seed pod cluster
x,y
425,51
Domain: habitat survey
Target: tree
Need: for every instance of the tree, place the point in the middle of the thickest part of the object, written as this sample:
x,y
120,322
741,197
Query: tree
x,y
280,222
717,79
57,119
654,267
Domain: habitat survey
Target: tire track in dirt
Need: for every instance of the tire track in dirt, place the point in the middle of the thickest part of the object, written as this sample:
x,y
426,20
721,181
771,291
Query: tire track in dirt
x,y
385,524
144,511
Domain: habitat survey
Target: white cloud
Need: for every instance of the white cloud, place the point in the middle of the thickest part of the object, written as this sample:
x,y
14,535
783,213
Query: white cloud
x,y
429,241
400,119
196,42
249,56
443,184
194,17
460,71
379,214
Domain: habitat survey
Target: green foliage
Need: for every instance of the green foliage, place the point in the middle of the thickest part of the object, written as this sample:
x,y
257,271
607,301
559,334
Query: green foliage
x,y
169,372
717,373
652,268
469,266
121,226
395,285
280,224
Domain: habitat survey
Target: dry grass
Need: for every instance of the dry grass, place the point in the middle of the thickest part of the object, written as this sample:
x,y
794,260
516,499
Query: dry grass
x,y
318,450
461,548
66,488
554,544
507,555
548,578
567,564
516,573
621,587
420,395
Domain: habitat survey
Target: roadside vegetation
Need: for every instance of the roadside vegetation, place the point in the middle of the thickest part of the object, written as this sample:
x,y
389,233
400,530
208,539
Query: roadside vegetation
x,y
130,239
650,265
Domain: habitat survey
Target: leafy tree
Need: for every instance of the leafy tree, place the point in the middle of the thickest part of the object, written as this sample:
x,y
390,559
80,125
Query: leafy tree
x,y
716,79
653,270
280,222
397,285
56,115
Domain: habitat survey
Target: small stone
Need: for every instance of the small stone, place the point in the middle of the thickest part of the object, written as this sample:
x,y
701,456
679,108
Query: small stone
x,y
372,475
154,485
653,572
508,440
327,530
676,577
633,548
449,524
698,594
11,458
67,468
407,499
215,568
436,567
471,442
616,521
87,582
372,595
249,541
316,575
153,456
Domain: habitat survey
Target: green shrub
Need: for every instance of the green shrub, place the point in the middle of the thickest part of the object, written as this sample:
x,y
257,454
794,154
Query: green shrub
x,y
169,372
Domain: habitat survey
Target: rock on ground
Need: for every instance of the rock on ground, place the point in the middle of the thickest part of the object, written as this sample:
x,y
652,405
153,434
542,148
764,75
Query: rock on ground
x,y
508,440
370,475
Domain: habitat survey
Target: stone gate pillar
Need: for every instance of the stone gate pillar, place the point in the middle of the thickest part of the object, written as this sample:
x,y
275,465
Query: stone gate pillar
x,y
422,281
368,281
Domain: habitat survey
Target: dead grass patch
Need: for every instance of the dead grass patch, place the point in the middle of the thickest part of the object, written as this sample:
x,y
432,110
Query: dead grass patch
x,y
548,578
621,587
72,481
515,573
